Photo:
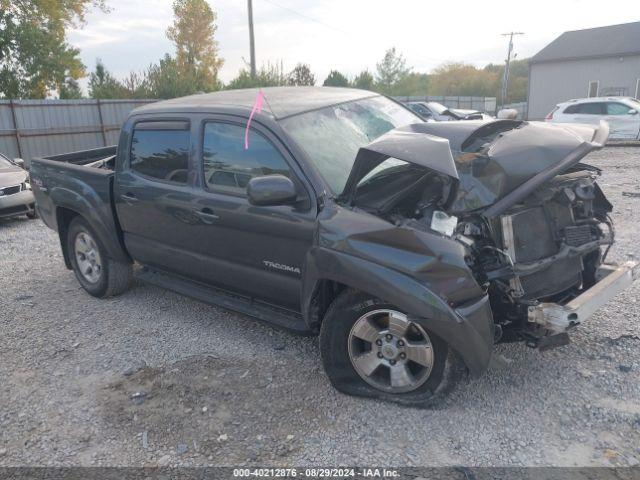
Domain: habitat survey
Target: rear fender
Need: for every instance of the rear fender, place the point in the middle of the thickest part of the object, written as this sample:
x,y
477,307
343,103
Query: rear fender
x,y
97,213
467,329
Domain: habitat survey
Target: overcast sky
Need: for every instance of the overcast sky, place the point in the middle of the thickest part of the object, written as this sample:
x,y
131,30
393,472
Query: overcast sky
x,y
348,35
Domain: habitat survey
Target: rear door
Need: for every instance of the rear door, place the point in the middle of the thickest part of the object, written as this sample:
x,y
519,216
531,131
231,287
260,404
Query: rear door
x,y
154,193
622,123
255,250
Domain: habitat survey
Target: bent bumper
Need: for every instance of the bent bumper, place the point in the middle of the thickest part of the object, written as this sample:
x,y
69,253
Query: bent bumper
x,y
559,318
17,204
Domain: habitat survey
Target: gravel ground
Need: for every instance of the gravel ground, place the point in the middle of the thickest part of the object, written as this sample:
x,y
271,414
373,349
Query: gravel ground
x,y
153,378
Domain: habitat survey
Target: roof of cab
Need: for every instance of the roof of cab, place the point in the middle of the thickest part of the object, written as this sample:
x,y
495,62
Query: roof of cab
x,y
281,102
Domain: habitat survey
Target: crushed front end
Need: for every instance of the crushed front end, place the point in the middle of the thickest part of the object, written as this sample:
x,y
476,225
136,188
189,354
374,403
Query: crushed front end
x,y
533,224
540,248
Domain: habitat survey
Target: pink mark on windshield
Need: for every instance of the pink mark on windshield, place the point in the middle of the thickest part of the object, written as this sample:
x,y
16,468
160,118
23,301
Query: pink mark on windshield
x,y
257,107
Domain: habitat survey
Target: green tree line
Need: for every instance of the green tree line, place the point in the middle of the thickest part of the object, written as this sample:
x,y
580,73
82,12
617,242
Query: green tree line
x,y
37,62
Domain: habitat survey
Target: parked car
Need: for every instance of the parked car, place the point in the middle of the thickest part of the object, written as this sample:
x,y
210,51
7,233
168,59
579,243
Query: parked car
x,y
622,114
411,248
16,197
438,112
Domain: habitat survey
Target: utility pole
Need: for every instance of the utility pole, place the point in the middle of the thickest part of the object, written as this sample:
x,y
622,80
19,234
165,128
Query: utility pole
x,y
252,46
505,77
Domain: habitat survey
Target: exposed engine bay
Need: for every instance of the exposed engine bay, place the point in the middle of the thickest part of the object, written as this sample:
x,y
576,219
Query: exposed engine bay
x,y
546,249
531,216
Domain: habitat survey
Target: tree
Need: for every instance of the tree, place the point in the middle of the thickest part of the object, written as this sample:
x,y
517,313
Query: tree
x,y
301,75
167,80
391,70
35,58
457,78
70,90
364,80
336,79
193,33
518,79
411,84
270,75
104,85
136,86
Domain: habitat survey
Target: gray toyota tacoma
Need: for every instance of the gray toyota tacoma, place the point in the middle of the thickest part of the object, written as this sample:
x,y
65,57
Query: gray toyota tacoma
x,y
411,248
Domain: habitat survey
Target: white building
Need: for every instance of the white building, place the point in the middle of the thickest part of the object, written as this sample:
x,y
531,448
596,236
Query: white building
x,y
602,61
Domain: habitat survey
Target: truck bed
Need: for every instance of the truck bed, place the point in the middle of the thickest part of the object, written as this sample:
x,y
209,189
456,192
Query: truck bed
x,y
96,157
78,183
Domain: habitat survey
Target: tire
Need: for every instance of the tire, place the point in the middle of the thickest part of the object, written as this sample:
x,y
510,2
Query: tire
x,y
338,337
112,278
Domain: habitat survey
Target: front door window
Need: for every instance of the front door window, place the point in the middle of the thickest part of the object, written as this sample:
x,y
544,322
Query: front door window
x,y
228,166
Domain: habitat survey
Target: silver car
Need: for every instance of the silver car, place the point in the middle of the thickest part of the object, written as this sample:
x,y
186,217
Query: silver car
x,y
16,197
437,112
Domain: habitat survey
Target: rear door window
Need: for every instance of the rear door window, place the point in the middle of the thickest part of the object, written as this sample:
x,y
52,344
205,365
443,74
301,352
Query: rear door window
x,y
160,150
590,108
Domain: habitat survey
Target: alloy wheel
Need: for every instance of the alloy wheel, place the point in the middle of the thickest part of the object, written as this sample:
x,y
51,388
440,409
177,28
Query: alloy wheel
x,y
390,352
88,257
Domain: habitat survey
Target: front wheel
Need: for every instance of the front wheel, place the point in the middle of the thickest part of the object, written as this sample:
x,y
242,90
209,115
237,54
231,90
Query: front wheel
x,y
32,214
98,274
370,348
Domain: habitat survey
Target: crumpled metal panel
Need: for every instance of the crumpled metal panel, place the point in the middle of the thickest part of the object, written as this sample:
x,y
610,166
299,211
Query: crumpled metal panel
x,y
410,144
489,171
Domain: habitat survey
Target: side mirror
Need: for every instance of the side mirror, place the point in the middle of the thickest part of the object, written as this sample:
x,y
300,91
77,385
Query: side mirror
x,y
632,111
271,190
19,162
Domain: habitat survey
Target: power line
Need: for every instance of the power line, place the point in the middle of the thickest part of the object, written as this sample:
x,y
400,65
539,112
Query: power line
x,y
295,12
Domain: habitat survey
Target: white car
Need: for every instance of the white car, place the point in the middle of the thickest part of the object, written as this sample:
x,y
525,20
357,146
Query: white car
x,y
622,114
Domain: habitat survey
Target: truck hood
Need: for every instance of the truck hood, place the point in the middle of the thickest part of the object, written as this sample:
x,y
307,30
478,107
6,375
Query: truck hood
x,y
411,144
486,161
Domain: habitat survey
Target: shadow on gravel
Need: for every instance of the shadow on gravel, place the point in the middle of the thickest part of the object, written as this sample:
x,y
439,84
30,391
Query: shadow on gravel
x,y
203,407
11,221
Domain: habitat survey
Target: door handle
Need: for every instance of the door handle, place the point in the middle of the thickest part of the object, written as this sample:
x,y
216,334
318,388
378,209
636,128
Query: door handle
x,y
207,215
129,198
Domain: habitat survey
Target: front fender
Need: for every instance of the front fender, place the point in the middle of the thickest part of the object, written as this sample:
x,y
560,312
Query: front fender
x,y
468,329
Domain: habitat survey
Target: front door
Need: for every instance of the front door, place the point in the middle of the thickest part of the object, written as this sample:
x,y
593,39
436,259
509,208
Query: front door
x,y
258,251
623,123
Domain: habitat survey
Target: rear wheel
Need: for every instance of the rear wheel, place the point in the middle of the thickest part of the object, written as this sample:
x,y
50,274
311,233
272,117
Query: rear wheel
x,y
370,348
99,275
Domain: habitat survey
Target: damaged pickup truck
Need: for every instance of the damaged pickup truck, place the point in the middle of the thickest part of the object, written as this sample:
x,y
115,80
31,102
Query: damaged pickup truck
x,y
411,248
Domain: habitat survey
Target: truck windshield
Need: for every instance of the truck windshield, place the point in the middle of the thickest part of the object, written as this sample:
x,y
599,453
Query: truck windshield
x,y
332,136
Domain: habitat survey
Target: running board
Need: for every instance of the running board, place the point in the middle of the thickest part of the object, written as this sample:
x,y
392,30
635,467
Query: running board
x,y
276,316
